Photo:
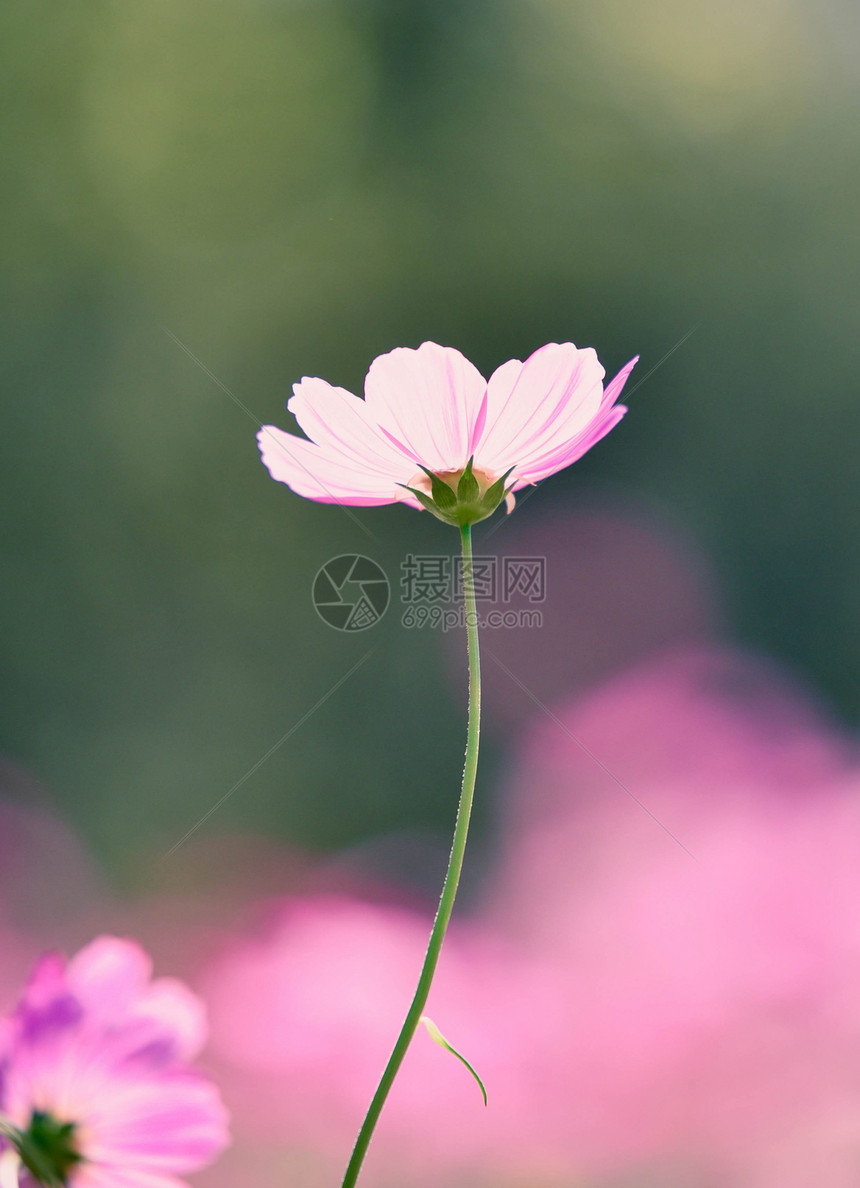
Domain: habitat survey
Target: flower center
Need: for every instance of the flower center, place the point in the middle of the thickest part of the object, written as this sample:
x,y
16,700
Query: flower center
x,y
47,1149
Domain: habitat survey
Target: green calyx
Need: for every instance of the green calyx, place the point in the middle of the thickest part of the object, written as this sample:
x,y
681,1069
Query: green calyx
x,y
47,1149
461,497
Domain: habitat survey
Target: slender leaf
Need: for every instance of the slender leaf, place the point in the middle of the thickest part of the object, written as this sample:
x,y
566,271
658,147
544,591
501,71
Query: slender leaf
x,y
437,1036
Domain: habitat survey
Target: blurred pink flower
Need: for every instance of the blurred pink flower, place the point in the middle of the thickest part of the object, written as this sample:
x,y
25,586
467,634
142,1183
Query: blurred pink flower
x,y
431,408
713,1005
93,1072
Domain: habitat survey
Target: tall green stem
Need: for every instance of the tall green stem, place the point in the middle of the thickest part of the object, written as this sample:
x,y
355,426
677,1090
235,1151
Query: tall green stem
x,y
452,876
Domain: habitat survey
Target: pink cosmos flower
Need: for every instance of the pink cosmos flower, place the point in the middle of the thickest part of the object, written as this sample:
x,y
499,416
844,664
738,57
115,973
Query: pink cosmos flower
x,y
94,1076
431,410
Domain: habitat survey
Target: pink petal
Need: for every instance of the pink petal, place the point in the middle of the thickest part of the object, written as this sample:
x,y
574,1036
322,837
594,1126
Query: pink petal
x,y
571,451
108,974
177,1013
94,1175
46,982
539,404
565,450
430,400
613,389
341,425
175,1123
315,473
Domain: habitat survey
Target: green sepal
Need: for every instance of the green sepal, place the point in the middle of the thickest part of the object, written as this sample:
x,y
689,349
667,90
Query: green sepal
x,y
425,500
437,1036
467,488
47,1149
494,495
428,505
465,506
443,496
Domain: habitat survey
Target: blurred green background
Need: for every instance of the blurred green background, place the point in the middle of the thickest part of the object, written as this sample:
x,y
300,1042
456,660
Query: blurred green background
x,y
293,188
